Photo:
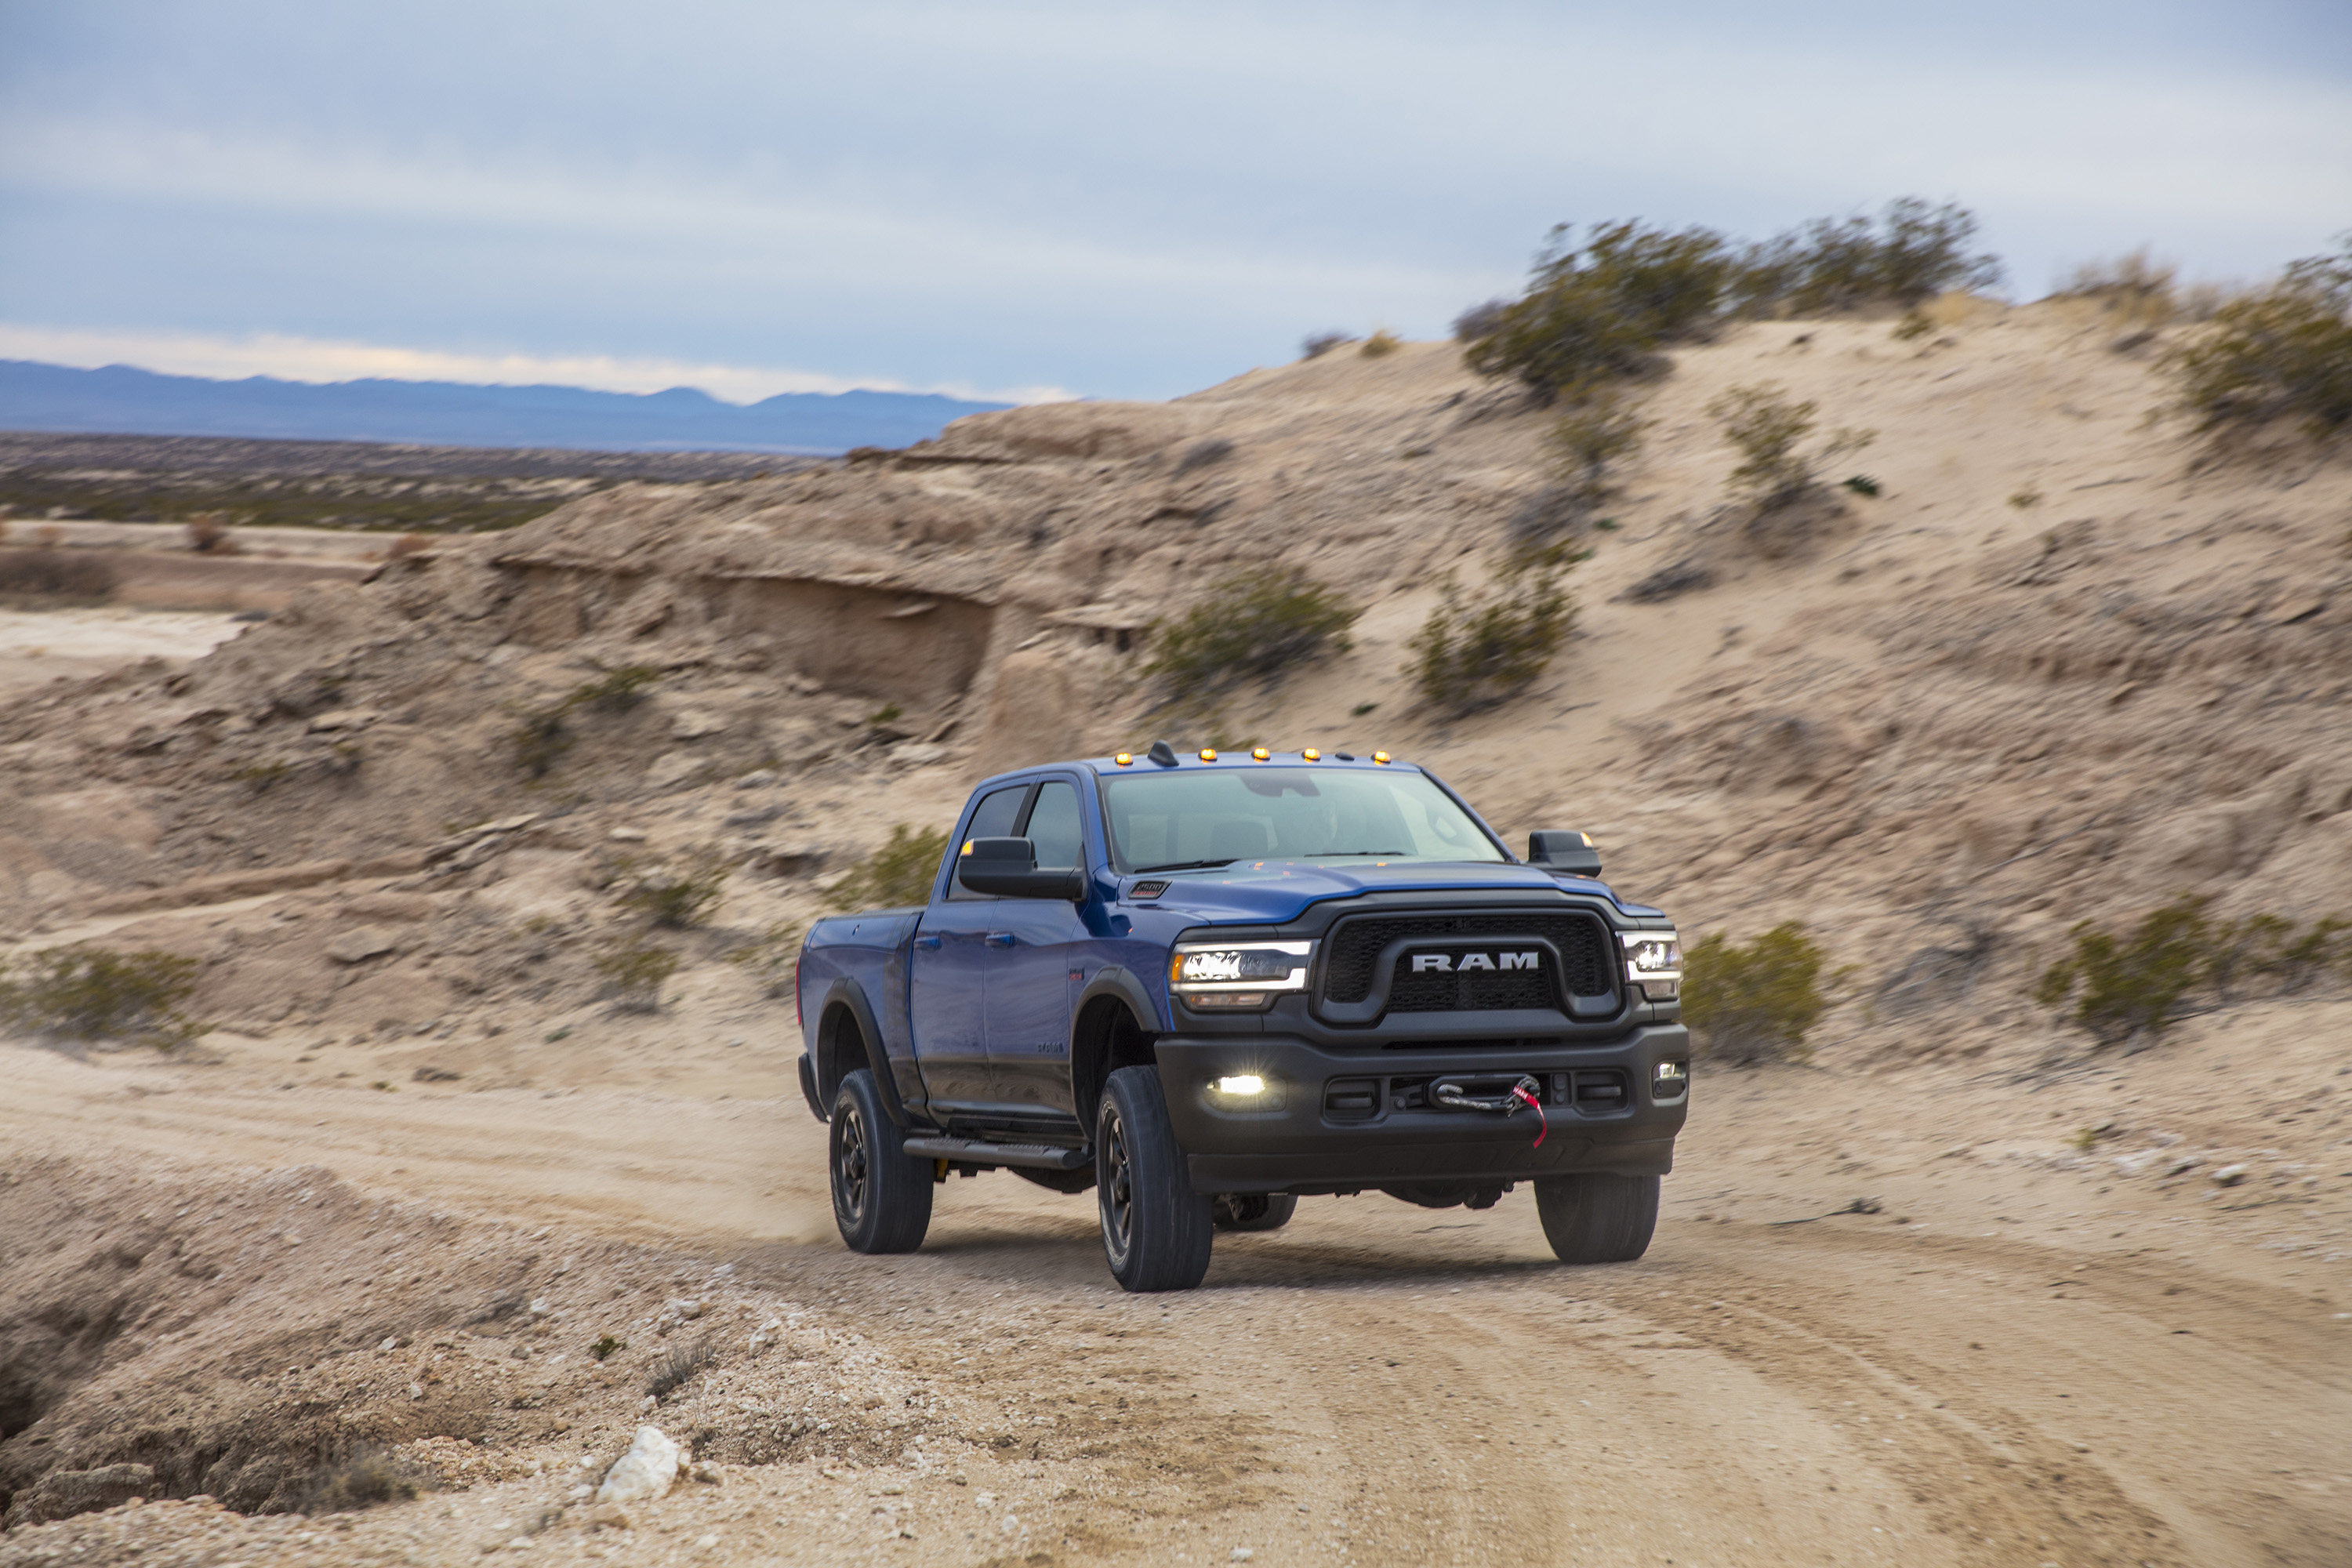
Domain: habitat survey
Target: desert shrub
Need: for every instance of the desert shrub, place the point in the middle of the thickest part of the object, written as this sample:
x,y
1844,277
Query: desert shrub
x,y
615,690
1254,624
208,535
1913,251
1479,321
1768,430
2136,291
2131,983
1316,344
634,972
1584,441
676,896
1481,647
1755,1001
406,545
83,993
2120,985
2284,352
1382,341
775,957
677,1366
1603,309
62,573
606,1345
363,1479
896,876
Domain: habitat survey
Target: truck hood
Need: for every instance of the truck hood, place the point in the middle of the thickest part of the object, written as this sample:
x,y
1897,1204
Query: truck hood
x,y
1268,892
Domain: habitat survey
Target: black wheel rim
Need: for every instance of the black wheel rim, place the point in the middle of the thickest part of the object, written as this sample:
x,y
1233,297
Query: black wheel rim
x,y
1116,1179
849,1173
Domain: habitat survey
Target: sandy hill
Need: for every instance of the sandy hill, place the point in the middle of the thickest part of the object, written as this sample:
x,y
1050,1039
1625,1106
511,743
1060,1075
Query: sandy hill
x,y
2054,669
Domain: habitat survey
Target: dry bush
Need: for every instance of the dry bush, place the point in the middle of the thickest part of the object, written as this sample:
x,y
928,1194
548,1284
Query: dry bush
x,y
677,1366
50,572
1202,455
1755,1001
898,876
1381,342
542,735
1252,626
1913,251
1479,649
1766,430
2117,984
360,1479
208,535
1316,344
1583,443
83,993
678,897
406,545
634,971
2283,353
2133,290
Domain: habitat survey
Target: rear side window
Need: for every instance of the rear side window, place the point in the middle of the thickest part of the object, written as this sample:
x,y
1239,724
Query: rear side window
x,y
992,818
1053,826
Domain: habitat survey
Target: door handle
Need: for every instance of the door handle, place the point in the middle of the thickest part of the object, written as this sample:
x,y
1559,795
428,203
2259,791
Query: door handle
x,y
927,941
999,939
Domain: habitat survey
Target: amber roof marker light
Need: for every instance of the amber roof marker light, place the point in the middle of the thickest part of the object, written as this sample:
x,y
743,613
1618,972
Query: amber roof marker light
x,y
1380,757
1124,759
1259,753
1311,754
1208,753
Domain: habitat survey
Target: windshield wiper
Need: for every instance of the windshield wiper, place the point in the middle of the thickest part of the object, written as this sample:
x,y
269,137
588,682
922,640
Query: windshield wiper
x,y
1316,853
1184,865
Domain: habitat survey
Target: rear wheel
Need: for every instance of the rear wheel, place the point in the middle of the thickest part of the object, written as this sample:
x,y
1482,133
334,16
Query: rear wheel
x,y
1598,1216
1156,1229
1254,1211
881,1194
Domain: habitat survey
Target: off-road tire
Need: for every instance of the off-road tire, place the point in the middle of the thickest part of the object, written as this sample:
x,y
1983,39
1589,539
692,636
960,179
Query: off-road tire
x,y
1156,1229
1598,1216
881,1194
1254,1211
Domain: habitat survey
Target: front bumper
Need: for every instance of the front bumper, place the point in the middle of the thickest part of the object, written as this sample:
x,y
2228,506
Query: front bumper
x,y
1307,1146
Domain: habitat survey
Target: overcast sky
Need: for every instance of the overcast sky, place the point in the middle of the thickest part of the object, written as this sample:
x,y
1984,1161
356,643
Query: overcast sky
x,y
1060,199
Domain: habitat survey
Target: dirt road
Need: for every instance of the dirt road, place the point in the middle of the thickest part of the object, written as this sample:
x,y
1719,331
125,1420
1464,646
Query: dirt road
x,y
2031,1352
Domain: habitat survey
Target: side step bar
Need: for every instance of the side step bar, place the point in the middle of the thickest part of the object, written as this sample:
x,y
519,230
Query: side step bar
x,y
1042,1155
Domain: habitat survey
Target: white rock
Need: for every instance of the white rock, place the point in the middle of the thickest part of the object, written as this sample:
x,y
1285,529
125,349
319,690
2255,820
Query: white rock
x,y
917,754
2133,1164
2186,1163
2228,1176
627,836
343,719
646,1471
672,768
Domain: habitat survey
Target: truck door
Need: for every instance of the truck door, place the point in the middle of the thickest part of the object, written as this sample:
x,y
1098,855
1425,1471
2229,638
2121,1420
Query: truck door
x,y
1032,944
948,971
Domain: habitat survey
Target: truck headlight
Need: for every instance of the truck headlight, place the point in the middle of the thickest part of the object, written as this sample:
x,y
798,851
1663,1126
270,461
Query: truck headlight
x,y
1654,961
1237,974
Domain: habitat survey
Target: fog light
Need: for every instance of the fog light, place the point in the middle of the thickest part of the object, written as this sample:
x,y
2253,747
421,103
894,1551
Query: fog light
x,y
1671,1078
1245,1091
1662,990
1242,1083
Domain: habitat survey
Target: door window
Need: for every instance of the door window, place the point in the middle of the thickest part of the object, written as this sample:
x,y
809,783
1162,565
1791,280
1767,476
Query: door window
x,y
992,818
1055,827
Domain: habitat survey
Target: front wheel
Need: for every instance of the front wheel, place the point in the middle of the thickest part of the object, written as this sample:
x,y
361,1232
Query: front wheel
x,y
881,1194
1598,1216
1254,1211
1156,1229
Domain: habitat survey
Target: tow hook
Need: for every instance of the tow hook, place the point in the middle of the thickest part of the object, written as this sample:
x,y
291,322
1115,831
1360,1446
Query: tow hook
x,y
1526,1093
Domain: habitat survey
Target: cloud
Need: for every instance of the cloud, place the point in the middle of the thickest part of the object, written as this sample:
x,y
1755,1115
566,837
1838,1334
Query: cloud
x,y
324,359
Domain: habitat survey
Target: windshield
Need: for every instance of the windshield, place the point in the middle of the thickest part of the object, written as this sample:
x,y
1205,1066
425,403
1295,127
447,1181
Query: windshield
x,y
1171,820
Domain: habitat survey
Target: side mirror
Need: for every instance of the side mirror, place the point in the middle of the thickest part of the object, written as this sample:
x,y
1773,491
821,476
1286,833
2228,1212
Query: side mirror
x,y
1007,868
1564,850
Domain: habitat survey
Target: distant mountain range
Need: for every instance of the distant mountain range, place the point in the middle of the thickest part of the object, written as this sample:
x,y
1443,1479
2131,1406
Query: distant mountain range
x,y
123,400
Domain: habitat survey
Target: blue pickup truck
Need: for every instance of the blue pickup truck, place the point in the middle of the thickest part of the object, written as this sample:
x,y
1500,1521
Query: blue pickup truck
x,y
1207,985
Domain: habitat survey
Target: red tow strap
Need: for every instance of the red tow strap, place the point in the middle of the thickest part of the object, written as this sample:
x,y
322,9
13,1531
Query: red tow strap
x,y
1519,1092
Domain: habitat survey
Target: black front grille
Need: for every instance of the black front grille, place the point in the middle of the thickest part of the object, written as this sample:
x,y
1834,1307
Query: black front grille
x,y
1355,944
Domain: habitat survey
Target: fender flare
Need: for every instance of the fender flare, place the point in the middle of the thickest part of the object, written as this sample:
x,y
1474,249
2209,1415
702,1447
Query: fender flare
x,y
846,994
1113,980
